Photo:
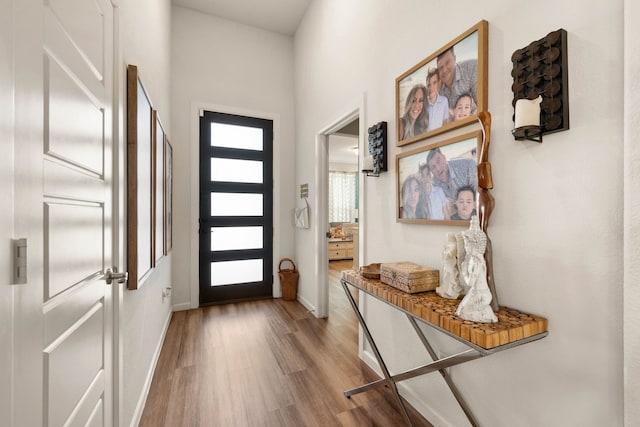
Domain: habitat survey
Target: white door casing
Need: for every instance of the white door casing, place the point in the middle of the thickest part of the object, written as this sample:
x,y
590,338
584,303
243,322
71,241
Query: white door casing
x,y
64,358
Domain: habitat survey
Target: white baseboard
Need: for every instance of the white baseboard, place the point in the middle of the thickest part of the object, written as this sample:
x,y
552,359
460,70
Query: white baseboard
x,y
307,305
137,415
182,307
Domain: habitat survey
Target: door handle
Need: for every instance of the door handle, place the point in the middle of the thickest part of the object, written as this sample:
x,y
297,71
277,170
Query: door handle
x,y
111,275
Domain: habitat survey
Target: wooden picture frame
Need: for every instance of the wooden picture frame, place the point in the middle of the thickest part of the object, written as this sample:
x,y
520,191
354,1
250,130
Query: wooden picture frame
x,y
159,192
462,64
423,196
168,198
140,125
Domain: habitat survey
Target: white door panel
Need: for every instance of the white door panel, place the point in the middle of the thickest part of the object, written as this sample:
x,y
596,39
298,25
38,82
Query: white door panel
x,y
61,313
63,361
84,23
63,180
75,120
73,382
74,247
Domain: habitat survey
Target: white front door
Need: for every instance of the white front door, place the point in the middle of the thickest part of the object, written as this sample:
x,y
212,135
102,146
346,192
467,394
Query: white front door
x,y
64,208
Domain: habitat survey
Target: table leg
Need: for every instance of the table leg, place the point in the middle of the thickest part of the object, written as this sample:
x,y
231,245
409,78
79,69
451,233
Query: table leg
x,y
444,373
376,352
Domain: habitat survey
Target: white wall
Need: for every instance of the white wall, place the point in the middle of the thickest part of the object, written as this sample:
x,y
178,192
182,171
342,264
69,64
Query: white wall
x,y
632,214
558,223
145,31
6,212
219,64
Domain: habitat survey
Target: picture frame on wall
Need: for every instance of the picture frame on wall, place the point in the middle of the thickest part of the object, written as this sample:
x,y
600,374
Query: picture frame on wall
x,y
159,192
168,197
438,183
140,180
446,90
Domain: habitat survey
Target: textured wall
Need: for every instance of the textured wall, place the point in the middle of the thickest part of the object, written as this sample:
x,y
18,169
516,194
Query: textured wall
x,y
222,65
145,30
557,227
632,215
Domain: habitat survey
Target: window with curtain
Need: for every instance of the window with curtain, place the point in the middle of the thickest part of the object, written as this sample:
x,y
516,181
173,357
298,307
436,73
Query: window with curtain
x,y
343,195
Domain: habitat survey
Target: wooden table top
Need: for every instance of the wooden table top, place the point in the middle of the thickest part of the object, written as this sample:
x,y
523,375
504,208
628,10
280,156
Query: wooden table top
x,y
512,326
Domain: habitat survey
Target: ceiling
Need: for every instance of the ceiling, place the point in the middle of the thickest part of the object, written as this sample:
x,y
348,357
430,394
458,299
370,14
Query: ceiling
x,y
343,149
280,16
283,17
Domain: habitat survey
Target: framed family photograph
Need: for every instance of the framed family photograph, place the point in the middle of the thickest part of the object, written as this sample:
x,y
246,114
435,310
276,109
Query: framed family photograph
x,y
437,183
446,90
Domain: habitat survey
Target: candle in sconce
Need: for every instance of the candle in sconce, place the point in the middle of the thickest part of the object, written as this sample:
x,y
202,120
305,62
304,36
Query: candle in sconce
x,y
367,163
528,112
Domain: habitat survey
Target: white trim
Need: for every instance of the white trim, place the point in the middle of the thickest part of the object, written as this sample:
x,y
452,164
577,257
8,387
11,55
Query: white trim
x,y
181,307
142,400
322,198
631,257
306,303
194,138
119,225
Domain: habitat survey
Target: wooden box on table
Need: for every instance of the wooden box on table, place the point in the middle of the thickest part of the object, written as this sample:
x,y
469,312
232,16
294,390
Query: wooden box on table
x,y
409,277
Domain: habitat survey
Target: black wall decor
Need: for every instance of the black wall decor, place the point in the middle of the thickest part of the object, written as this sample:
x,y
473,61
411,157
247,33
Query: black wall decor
x,y
541,69
378,148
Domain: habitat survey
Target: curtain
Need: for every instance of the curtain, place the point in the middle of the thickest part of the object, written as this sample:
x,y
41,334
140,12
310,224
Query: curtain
x,y
343,187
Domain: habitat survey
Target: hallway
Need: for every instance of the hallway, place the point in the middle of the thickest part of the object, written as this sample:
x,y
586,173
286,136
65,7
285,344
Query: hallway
x,y
266,363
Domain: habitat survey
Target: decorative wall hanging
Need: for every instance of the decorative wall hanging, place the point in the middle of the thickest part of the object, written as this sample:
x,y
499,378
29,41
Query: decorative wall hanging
x,y
168,198
431,98
149,184
301,215
159,192
540,87
377,149
140,179
428,193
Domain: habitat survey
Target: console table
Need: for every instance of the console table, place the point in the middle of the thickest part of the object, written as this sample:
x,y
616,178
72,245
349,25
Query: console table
x,y
513,329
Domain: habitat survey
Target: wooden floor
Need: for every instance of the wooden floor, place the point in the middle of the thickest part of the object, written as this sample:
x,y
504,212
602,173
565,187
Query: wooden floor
x,y
267,363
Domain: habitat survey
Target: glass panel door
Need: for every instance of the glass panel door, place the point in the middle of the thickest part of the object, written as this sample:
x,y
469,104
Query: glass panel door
x,y
236,201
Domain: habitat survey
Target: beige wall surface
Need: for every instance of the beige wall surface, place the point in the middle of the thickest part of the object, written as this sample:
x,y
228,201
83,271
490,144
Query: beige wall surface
x,y
6,211
557,228
145,31
631,307
219,65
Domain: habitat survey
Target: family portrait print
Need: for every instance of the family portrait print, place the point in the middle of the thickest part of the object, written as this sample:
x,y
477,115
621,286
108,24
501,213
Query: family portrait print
x,y
446,90
438,183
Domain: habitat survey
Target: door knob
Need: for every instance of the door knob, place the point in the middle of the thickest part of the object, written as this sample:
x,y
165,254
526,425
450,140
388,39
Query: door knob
x,y
111,275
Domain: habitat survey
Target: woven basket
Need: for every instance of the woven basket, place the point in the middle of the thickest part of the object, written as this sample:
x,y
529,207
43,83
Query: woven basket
x,y
288,280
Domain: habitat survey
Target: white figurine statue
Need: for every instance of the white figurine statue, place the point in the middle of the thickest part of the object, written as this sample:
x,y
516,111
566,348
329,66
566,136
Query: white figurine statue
x,y
461,255
449,284
476,304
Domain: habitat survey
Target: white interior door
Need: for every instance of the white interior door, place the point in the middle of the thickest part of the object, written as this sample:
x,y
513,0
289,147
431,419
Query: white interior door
x,y
67,376
77,209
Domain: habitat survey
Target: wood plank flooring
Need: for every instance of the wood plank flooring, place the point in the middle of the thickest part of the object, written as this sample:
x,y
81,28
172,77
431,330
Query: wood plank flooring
x,y
267,363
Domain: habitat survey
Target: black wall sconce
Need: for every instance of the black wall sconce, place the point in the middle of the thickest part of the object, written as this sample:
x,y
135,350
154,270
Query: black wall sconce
x,y
377,149
540,87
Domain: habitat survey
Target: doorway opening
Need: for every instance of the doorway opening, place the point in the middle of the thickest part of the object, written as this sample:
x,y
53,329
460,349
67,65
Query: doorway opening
x,y
342,210
339,153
